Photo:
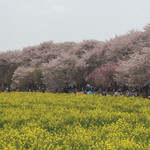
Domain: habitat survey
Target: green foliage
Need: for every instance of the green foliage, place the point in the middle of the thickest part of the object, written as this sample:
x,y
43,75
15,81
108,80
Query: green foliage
x,y
69,121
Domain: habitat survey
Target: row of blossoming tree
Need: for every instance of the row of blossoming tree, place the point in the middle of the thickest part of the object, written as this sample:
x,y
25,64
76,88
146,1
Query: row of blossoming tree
x,y
123,60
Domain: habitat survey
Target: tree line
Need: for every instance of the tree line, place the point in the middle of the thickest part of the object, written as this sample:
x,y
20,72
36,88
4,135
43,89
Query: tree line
x,y
123,60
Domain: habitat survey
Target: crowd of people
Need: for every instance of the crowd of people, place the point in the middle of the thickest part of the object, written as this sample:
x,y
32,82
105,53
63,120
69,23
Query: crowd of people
x,y
115,91
88,89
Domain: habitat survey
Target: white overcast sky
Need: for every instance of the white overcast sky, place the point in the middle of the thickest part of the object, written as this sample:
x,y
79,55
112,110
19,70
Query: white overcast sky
x,y
30,22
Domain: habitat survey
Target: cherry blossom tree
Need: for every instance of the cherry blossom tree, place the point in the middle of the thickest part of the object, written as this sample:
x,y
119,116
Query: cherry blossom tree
x,y
103,76
9,61
135,71
25,78
121,47
58,73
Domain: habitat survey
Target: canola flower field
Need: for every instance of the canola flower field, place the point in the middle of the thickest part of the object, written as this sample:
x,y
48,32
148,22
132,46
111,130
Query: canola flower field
x,y
44,121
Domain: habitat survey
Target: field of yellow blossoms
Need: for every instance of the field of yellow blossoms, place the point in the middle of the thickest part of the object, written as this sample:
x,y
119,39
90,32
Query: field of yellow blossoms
x,y
44,121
